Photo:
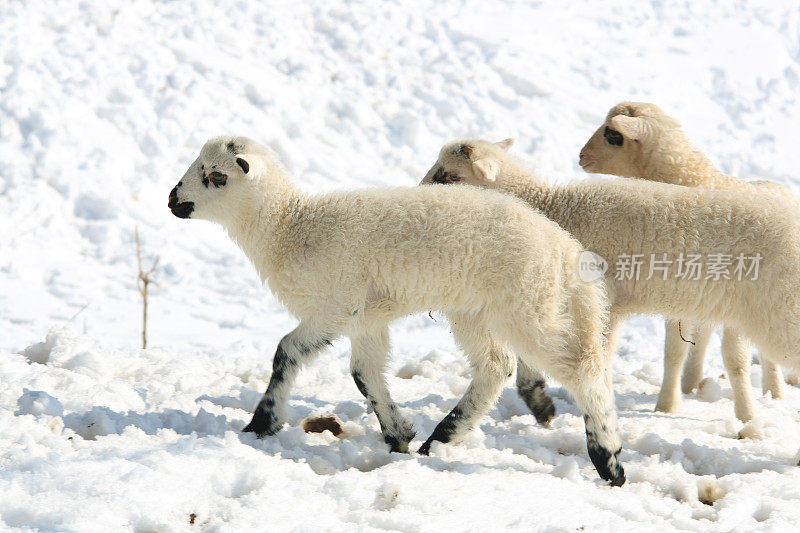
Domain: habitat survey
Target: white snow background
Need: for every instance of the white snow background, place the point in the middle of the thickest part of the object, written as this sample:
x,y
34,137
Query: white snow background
x,y
103,105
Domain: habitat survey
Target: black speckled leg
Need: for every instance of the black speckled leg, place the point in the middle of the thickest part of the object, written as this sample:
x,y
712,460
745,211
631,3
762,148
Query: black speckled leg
x,y
530,386
492,365
294,350
367,367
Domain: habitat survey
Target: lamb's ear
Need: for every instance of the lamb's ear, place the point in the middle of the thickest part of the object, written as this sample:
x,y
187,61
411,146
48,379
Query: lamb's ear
x,y
633,128
486,169
244,164
505,144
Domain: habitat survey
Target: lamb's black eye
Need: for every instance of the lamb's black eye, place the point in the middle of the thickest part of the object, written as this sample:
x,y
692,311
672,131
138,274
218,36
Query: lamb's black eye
x,y
465,150
612,136
218,179
242,163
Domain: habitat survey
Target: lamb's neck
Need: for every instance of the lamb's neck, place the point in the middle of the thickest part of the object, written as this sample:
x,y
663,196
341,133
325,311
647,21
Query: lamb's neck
x,y
515,181
260,228
684,166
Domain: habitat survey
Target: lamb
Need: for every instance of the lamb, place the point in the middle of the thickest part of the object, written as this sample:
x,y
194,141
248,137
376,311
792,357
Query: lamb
x,y
348,263
624,219
639,140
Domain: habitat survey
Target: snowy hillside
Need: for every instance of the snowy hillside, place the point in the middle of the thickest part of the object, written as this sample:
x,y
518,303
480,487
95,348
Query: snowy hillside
x,y
103,105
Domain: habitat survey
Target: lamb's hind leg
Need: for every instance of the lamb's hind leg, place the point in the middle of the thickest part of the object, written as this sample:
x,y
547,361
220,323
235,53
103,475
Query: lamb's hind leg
x,y
771,378
294,350
530,386
595,398
492,365
367,366
765,356
585,371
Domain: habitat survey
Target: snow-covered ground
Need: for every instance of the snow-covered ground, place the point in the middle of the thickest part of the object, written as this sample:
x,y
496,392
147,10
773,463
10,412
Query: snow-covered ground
x,y
104,103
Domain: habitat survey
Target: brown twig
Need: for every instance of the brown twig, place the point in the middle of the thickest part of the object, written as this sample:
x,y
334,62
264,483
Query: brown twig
x,y
681,334
79,312
142,283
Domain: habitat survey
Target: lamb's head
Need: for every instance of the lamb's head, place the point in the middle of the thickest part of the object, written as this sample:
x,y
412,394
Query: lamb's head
x,y
225,177
472,162
623,143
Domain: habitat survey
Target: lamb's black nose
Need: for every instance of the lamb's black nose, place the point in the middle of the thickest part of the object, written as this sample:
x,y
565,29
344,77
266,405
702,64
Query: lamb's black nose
x,y
173,198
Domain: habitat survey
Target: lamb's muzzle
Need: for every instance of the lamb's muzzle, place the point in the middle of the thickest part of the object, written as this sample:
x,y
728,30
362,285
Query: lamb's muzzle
x,y
179,209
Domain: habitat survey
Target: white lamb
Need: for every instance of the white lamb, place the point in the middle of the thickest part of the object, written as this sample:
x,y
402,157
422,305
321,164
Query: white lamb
x,y
625,219
348,263
639,140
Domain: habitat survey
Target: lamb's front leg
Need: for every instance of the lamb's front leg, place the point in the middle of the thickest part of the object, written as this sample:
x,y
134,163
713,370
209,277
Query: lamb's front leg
x,y
693,367
294,350
492,364
367,366
675,351
736,355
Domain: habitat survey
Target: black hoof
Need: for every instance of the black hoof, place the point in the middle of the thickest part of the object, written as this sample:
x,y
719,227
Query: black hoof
x,y
262,424
539,402
425,449
618,481
399,444
545,415
608,465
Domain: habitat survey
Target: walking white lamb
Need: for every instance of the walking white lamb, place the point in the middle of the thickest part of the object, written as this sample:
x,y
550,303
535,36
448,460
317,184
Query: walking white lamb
x,y
639,140
348,263
669,227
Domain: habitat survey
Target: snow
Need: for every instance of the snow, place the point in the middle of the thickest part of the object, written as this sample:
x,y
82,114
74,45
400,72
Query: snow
x,y
709,390
104,103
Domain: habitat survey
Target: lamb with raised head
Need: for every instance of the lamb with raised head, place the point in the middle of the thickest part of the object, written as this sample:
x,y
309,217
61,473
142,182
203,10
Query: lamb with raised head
x,y
640,140
348,263
625,219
